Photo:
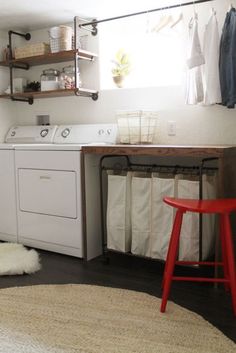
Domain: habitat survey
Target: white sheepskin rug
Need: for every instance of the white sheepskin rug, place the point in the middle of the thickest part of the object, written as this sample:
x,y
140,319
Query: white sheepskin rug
x,y
15,259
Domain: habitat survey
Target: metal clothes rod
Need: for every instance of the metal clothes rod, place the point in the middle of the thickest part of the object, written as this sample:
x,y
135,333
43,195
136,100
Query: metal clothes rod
x,y
94,22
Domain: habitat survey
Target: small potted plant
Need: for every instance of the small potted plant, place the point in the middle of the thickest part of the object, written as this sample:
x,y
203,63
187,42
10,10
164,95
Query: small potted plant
x,y
121,67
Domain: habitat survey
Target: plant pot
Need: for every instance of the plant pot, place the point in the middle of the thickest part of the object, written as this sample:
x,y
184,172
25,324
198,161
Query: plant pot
x,y
119,80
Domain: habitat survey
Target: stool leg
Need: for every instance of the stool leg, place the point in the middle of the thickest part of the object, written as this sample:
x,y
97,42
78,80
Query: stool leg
x,y
168,252
224,256
171,258
230,258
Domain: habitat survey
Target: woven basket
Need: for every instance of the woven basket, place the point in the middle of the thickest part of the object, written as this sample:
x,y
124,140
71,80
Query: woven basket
x,y
32,50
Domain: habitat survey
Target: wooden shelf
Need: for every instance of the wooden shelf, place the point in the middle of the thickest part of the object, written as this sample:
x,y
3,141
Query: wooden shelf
x,y
55,93
50,58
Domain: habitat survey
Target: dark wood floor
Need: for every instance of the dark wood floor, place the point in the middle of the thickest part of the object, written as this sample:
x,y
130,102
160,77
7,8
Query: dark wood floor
x,y
214,304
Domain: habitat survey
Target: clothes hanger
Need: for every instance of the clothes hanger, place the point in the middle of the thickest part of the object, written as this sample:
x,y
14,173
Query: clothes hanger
x,y
147,23
163,22
179,18
194,11
195,14
231,6
194,17
213,11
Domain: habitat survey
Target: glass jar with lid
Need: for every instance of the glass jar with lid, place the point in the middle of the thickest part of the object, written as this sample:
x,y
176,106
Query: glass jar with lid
x,y
67,77
50,80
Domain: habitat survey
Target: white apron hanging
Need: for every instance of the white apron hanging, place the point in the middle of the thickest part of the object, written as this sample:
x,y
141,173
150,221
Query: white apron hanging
x,y
211,79
194,84
118,212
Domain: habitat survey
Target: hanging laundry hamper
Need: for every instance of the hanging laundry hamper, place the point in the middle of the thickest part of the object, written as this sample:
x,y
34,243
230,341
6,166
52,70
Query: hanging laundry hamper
x,y
162,215
118,212
141,214
189,236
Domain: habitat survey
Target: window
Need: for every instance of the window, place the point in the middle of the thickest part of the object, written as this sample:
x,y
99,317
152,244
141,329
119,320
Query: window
x,y
157,57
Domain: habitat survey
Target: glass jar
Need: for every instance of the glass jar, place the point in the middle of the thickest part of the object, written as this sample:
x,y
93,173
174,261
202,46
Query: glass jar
x,y
67,77
50,80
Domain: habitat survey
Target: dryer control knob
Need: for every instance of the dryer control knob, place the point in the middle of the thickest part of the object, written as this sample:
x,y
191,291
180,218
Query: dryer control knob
x,y
13,133
101,132
44,132
108,131
65,132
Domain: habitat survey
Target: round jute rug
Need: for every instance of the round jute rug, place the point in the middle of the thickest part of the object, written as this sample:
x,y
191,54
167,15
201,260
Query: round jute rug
x,y
93,319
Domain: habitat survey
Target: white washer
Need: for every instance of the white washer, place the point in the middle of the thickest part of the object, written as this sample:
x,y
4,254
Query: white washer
x,y
48,188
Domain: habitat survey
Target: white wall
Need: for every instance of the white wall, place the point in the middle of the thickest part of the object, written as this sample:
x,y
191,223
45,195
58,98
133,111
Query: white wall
x,y
195,124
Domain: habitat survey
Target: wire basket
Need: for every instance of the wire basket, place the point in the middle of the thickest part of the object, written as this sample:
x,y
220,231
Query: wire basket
x,y
82,42
60,38
136,127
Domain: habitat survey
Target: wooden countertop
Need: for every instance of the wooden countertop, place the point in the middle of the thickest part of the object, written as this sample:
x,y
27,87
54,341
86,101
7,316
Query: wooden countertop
x,y
218,151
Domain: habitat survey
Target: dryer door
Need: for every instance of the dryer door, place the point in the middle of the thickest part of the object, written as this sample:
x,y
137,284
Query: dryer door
x,y
48,192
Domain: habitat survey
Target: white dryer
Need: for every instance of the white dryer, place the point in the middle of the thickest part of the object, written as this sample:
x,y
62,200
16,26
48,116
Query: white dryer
x,y
8,215
48,188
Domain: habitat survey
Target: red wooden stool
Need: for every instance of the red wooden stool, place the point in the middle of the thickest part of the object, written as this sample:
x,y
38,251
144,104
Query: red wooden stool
x,y
223,207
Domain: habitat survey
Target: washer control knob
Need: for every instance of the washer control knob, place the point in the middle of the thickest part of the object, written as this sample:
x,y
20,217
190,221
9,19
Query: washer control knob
x,y
65,132
101,132
44,132
108,131
13,133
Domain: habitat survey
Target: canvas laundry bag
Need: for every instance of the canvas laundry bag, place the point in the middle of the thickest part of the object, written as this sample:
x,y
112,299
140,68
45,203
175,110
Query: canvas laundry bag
x,y
162,214
118,212
208,220
141,213
189,236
